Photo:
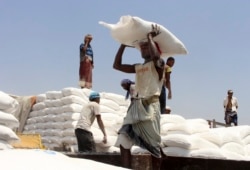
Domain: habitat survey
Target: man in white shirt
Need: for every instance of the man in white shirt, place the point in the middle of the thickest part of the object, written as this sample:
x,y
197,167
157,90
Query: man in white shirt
x,y
89,113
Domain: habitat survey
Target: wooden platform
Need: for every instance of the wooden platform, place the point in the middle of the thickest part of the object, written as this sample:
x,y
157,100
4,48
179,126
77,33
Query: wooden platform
x,y
143,162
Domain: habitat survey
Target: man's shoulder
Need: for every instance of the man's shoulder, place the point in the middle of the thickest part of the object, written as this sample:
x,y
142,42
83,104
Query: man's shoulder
x,y
93,104
235,98
81,45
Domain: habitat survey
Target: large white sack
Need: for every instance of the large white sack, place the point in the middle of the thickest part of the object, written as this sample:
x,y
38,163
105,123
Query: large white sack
x,y
176,151
73,91
234,147
197,121
110,103
119,99
172,118
8,120
39,106
53,132
69,140
54,94
227,135
233,155
165,128
5,145
70,116
46,160
208,153
139,150
36,113
69,124
7,134
242,130
187,142
106,109
73,99
40,98
131,29
246,140
6,101
211,136
110,141
72,108
188,128
247,150
177,140
68,132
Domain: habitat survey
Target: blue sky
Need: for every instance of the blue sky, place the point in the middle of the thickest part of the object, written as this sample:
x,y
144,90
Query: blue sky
x,y
39,49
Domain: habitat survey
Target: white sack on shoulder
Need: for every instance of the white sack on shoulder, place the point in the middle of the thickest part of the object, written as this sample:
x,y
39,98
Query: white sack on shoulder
x,y
130,30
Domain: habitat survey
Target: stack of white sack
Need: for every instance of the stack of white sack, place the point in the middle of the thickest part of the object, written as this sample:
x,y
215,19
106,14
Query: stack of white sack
x,y
23,159
194,138
8,122
55,115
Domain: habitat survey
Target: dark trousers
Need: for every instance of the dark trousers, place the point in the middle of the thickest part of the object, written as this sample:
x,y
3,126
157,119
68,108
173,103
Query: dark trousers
x,y
85,141
162,99
231,117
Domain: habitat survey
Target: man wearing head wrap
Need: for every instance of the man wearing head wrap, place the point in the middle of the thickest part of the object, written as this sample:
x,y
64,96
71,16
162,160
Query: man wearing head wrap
x,y
88,114
129,86
230,107
86,63
141,126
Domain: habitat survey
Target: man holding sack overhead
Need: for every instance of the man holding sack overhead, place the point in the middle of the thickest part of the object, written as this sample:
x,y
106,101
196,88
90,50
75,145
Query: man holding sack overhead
x,y
141,126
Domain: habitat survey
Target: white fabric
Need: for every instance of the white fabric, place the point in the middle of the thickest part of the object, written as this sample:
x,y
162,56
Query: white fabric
x,y
131,30
234,103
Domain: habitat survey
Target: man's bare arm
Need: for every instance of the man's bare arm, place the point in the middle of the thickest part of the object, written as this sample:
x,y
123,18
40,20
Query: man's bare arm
x,y
127,68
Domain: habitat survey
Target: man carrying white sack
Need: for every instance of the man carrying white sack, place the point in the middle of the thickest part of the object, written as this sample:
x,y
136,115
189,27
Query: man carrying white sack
x,y
141,125
84,136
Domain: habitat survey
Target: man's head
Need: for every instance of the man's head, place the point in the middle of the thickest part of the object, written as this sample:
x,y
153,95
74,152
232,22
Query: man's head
x,y
170,61
94,96
125,84
230,93
88,38
144,47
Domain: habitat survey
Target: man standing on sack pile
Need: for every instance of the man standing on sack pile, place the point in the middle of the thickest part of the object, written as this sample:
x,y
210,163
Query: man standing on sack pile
x,y
230,107
86,63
